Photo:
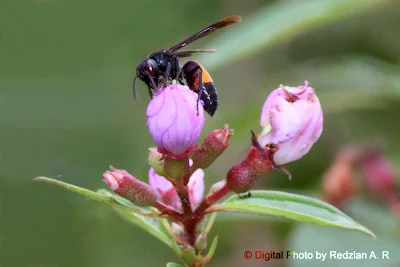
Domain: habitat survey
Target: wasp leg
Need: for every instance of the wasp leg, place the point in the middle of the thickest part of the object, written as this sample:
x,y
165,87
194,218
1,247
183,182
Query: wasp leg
x,y
150,92
153,85
167,74
180,77
200,89
245,196
177,70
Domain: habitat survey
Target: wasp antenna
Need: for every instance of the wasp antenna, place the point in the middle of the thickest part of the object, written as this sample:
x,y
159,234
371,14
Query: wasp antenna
x,y
134,91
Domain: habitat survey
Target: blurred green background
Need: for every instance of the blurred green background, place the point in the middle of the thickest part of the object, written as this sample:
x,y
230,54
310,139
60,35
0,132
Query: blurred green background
x,y
67,112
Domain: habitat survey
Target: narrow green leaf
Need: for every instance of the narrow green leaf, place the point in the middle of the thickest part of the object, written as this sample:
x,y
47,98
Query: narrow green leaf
x,y
110,199
79,190
291,206
281,22
211,252
172,264
210,222
124,208
153,226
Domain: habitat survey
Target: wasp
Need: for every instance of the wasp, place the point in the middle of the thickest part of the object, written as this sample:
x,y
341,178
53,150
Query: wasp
x,y
163,66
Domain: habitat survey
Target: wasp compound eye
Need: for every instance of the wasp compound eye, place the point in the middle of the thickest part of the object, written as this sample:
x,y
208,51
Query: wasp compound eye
x,y
150,66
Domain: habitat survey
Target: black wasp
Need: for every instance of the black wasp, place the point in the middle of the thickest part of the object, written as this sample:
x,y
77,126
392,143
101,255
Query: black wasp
x,y
163,65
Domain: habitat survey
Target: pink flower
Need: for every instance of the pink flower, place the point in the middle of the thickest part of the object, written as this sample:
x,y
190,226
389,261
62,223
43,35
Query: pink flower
x,y
167,194
127,186
173,121
291,119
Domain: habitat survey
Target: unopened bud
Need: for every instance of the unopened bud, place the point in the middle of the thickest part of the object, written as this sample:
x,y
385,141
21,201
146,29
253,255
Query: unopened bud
x,y
127,186
242,177
155,161
292,121
201,242
378,173
188,254
164,189
212,147
338,183
174,119
178,230
176,168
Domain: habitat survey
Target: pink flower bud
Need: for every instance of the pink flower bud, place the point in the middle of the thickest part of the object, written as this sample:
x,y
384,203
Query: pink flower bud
x,y
125,185
164,189
339,182
291,119
378,173
173,121
166,192
196,188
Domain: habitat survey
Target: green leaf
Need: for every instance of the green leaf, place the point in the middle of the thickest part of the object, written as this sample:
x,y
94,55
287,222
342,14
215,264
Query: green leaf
x,y
129,211
153,226
110,199
291,206
172,264
211,252
210,223
280,22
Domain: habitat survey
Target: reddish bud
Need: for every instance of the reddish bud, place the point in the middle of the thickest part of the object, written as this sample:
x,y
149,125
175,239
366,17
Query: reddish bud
x,y
241,177
125,185
212,147
378,173
339,183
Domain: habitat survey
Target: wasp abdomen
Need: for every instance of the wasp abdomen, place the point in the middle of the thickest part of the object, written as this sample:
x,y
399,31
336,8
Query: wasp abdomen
x,y
211,103
192,71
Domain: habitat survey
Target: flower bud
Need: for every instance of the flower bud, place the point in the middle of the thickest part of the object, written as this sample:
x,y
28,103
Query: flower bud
x,y
155,161
166,192
212,147
379,175
173,121
196,188
178,230
291,119
125,185
164,189
339,183
242,177
201,242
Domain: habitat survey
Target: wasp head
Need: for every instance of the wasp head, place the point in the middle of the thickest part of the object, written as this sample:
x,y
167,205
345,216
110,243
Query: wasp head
x,y
146,68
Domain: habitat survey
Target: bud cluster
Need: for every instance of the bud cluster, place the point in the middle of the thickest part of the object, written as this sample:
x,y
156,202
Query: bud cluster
x,y
369,162
291,122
